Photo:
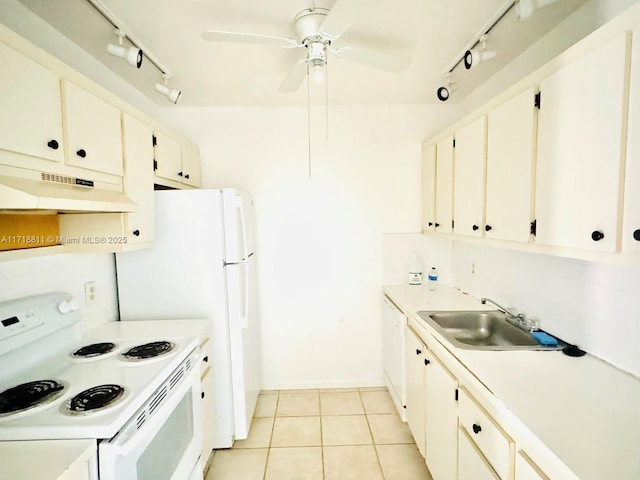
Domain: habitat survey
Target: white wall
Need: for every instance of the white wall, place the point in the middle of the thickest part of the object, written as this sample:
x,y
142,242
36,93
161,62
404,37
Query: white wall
x,y
65,273
320,239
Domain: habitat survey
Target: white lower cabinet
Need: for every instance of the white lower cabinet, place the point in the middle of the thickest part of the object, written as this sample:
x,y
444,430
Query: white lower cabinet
x,y
526,469
441,419
471,463
414,357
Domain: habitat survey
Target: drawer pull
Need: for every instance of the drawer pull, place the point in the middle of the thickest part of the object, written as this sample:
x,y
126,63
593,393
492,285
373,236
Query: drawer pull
x,y
180,174
186,176
136,233
53,144
206,359
427,362
418,351
476,428
597,235
475,228
82,153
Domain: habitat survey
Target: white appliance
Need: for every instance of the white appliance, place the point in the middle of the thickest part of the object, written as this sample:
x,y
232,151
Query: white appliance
x,y
137,396
394,325
202,265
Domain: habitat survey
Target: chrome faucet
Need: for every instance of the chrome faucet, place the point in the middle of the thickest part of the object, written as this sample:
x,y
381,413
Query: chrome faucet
x,y
518,320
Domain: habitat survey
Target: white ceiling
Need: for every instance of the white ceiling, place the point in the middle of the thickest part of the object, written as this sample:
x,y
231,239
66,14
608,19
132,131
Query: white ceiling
x,y
433,32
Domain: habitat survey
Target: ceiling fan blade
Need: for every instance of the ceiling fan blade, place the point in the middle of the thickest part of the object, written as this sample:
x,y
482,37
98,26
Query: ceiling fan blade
x,y
342,15
382,61
220,36
294,78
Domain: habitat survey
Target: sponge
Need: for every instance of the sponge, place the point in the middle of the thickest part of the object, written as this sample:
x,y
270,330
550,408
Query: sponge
x,y
544,338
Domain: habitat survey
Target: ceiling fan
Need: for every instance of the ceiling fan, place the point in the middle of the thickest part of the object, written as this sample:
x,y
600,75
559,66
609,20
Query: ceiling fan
x,y
317,28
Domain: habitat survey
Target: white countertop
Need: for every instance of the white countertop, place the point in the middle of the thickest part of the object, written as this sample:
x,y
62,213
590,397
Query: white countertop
x,y
154,329
584,410
43,459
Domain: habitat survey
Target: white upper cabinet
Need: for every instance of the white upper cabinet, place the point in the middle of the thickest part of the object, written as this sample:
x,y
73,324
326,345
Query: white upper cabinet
x,y
190,165
444,185
469,178
168,156
30,115
631,224
428,188
94,134
510,168
138,180
579,158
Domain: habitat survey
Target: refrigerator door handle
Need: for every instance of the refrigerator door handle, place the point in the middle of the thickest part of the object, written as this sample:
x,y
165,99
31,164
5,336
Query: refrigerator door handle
x,y
244,312
242,226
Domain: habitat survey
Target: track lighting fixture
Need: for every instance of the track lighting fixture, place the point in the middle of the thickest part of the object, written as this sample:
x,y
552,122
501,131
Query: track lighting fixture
x,y
444,92
478,54
526,8
173,94
132,55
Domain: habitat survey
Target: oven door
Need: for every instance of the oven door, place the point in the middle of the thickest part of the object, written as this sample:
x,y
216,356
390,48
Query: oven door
x,y
167,446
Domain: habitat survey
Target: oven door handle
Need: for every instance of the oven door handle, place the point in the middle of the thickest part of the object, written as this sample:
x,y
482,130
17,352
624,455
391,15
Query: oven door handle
x,y
125,442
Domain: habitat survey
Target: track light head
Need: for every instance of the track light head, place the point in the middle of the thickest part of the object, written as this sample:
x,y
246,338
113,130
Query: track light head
x,y
173,94
476,56
444,92
132,55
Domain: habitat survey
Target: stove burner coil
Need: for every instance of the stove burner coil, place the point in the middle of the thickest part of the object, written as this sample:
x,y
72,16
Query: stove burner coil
x,y
95,398
28,395
148,350
94,350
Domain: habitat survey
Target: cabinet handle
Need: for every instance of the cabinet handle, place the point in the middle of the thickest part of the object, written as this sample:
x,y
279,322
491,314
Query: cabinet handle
x,y
597,235
418,351
82,153
201,394
475,228
187,176
136,233
53,144
487,228
437,224
179,174
205,359
427,362
430,224
636,235
476,428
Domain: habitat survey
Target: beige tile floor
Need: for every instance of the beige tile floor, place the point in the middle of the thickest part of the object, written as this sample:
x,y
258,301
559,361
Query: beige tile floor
x,y
336,434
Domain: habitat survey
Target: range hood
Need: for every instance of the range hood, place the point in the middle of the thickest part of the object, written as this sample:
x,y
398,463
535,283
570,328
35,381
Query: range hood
x,y
62,194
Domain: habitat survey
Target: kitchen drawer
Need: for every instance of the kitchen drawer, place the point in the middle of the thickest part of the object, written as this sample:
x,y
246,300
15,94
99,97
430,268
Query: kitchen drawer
x,y
491,440
206,357
526,469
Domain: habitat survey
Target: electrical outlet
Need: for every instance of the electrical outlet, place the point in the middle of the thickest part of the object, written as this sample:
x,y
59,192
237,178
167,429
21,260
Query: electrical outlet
x,y
89,292
473,268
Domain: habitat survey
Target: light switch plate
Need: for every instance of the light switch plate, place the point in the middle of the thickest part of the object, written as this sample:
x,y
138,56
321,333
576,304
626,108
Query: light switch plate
x,y
89,292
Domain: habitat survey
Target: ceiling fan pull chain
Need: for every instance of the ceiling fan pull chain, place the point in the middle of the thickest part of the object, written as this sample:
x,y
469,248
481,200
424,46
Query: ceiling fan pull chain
x,y
309,116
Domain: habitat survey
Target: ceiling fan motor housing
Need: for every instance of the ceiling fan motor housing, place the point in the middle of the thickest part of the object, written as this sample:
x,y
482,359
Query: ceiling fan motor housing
x,y
307,24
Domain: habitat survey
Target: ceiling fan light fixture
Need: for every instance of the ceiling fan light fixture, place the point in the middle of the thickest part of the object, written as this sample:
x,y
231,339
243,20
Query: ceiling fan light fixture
x,y
173,94
132,55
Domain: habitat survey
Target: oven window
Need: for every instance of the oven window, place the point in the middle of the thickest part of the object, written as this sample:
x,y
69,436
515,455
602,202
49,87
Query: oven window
x,y
163,454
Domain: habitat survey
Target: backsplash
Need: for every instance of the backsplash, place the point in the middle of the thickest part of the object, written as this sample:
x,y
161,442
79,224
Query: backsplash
x,y
593,305
68,273
433,251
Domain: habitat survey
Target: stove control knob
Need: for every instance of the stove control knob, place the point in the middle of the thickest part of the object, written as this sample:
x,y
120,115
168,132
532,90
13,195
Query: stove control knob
x,y
67,306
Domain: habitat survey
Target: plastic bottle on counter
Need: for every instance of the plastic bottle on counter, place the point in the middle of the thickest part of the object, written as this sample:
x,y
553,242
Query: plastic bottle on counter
x,y
416,269
432,279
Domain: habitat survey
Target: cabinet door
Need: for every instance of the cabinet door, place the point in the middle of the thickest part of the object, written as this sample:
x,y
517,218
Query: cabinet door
x,y
30,110
631,224
414,371
469,178
208,415
580,128
94,135
526,469
444,185
510,168
138,179
441,434
168,156
191,165
471,464
428,188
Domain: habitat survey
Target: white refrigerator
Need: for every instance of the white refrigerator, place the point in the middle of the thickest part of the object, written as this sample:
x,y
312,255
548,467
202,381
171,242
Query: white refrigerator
x,y
203,265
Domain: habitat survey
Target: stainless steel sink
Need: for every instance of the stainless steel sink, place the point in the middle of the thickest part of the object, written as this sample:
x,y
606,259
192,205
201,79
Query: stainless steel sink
x,y
483,330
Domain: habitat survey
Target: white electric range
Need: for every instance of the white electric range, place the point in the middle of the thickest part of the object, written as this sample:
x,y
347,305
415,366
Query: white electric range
x,y
137,396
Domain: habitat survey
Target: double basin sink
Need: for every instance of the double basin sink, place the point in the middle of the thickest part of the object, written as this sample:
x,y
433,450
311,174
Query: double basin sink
x,y
483,330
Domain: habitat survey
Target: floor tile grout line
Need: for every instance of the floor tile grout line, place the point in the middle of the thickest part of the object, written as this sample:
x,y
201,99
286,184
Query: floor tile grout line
x,y
273,426
373,440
